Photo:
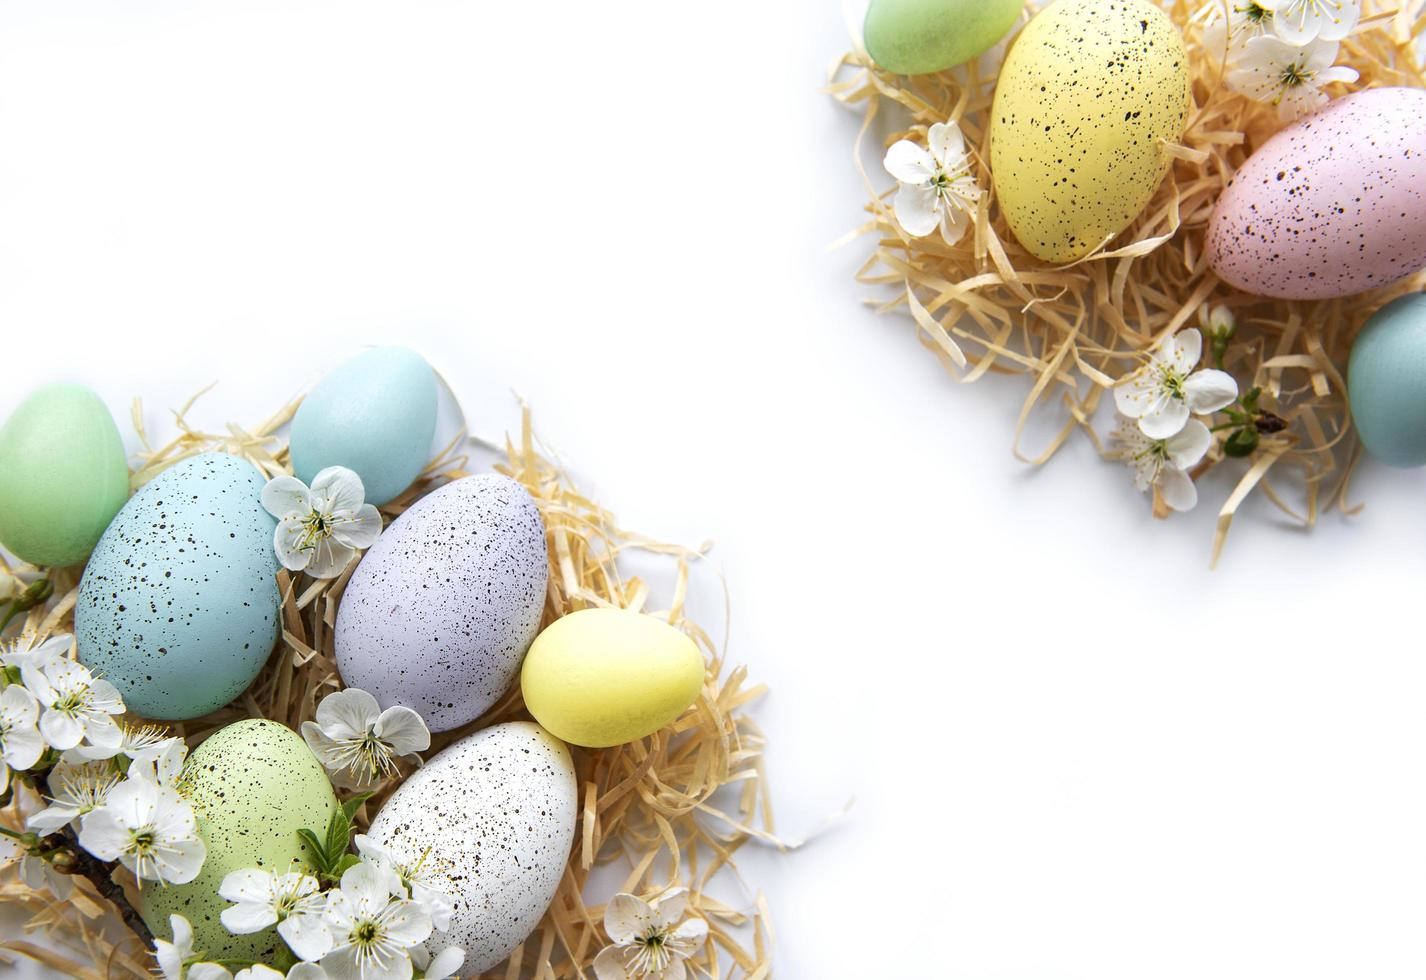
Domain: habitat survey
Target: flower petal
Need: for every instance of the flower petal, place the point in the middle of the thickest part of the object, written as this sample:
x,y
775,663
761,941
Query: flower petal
x,y
1165,420
60,730
947,145
286,496
348,713
627,916
1209,390
909,163
329,559
208,971
1177,489
307,935
445,963
337,490
286,540
248,917
403,730
1190,445
954,223
23,747
916,209
609,964
1185,350
668,907
359,530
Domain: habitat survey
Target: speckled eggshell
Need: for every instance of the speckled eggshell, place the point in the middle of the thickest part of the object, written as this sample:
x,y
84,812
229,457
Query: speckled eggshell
x,y
1332,205
1386,377
498,809
441,610
253,785
63,475
374,414
178,604
1088,95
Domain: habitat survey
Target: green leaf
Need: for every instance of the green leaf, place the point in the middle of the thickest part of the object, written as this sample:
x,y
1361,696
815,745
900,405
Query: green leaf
x,y
351,806
1241,443
348,861
318,849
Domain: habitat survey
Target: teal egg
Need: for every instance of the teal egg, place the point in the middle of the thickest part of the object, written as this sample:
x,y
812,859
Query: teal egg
x,y
374,414
1386,377
917,37
178,606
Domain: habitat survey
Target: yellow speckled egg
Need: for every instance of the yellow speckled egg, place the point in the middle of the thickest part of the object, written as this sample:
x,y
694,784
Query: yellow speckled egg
x,y
601,677
1087,97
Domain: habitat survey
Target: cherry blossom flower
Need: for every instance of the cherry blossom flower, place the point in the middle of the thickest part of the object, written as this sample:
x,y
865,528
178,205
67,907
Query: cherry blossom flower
x,y
1301,21
77,788
293,901
1163,393
77,705
1271,70
415,878
373,929
149,829
358,743
649,942
320,529
937,187
20,743
1164,463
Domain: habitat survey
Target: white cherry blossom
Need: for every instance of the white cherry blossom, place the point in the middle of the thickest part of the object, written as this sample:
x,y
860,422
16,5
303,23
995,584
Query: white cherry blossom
x,y
1164,463
292,901
649,941
415,876
1301,21
77,705
320,529
76,788
373,929
1288,76
149,829
358,743
20,743
1163,393
937,188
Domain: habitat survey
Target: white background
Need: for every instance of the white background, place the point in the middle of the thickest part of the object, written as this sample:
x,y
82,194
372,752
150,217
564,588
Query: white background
x,y
1076,752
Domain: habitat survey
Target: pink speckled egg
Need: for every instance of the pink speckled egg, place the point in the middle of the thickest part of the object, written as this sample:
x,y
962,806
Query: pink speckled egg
x,y
1332,205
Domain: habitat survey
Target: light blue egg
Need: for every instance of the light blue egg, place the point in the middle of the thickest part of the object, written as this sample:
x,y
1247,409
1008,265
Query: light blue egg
x,y
375,414
178,606
1386,378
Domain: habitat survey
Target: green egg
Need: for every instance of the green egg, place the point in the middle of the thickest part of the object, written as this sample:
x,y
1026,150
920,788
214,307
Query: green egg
x,y
253,785
917,37
63,475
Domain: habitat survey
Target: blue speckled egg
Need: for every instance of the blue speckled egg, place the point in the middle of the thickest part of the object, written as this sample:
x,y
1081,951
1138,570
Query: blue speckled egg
x,y
178,606
440,612
496,811
375,414
1386,378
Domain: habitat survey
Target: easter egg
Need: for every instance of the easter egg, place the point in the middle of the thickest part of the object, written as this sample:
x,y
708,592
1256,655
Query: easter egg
x,y
915,37
1331,205
1386,378
63,476
375,414
1088,95
253,786
496,810
600,677
441,610
178,605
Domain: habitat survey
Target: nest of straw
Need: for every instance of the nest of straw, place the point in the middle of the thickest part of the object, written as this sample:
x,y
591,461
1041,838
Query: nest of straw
x,y
672,808
985,305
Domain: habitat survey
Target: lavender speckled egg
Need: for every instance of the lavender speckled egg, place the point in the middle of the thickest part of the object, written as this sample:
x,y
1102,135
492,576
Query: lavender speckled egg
x,y
497,809
440,612
178,604
1331,205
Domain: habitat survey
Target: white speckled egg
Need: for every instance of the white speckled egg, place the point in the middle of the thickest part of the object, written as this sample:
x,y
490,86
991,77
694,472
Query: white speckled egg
x,y
440,612
1088,96
1331,205
497,808
178,605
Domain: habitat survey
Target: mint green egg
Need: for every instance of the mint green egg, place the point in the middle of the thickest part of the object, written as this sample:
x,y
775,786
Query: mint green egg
x,y
63,475
374,414
253,786
1386,378
917,37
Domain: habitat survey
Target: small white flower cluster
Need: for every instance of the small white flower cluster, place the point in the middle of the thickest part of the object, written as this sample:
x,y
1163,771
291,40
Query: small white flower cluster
x,y
1156,435
372,926
936,187
1282,51
116,786
320,528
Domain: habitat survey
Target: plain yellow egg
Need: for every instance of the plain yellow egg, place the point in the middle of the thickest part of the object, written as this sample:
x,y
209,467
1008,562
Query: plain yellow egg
x,y
1090,95
602,677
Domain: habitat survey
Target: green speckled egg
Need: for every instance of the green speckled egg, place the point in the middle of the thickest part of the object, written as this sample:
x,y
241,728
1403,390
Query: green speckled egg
x,y
1088,95
916,37
253,785
1386,377
63,476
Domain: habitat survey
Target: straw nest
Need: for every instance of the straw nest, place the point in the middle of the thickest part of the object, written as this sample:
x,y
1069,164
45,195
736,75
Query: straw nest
x,y
671,808
986,305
